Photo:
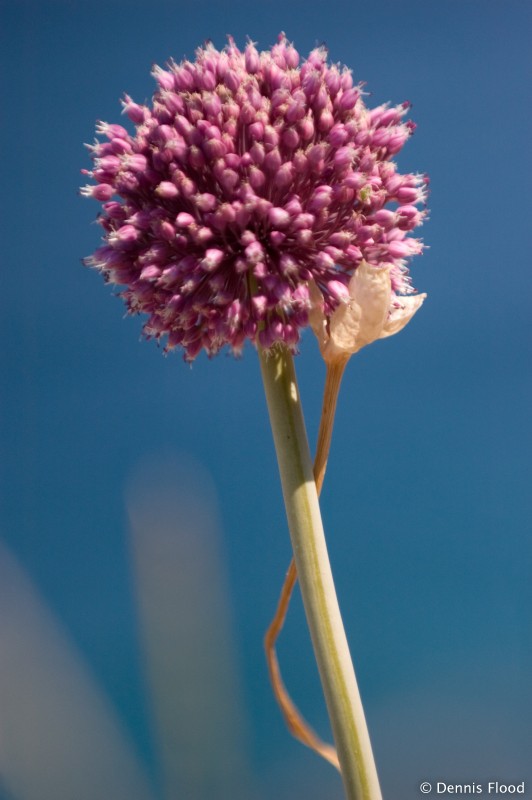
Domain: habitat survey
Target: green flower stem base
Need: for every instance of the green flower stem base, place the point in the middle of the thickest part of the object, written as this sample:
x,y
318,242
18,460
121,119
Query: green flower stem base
x,y
315,577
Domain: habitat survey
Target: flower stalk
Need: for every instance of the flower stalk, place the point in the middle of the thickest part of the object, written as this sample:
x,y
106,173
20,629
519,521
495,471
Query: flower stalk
x,y
297,725
314,572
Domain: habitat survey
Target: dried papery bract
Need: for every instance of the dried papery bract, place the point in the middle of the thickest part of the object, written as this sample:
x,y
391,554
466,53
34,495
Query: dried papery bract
x,y
363,315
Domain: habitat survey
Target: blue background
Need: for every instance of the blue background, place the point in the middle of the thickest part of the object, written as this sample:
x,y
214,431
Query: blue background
x,y
427,497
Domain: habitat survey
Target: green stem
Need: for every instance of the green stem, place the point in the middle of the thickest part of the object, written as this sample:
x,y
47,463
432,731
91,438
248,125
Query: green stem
x,y
315,577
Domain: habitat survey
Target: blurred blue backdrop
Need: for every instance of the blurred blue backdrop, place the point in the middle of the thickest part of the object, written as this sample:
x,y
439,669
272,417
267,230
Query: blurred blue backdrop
x,y
427,498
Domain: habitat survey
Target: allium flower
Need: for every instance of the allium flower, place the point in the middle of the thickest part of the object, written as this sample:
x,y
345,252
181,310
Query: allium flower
x,y
249,177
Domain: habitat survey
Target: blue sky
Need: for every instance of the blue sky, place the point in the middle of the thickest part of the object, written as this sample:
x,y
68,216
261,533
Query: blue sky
x,y
426,502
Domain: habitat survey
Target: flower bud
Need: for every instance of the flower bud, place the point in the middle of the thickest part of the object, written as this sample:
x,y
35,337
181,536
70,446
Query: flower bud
x,y
284,175
408,217
196,158
277,238
344,157
184,220
150,273
316,153
321,99
288,264
184,80
338,135
326,121
136,113
167,190
397,139
231,80
324,261
256,177
272,160
211,104
279,218
301,163
385,218
125,236
111,131
271,137
338,290
290,138
343,193
347,100
228,180
101,192
120,146
294,207
201,235
321,198
205,201
252,59
304,237
399,249
407,194
164,79
260,305
292,57
332,80
257,153
212,259
295,112
254,252
306,128
304,221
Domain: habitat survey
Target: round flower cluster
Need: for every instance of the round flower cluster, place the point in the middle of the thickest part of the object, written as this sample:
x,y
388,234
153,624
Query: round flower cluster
x,y
249,177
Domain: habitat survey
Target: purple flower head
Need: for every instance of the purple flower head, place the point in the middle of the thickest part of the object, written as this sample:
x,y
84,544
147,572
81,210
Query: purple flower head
x,y
249,180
